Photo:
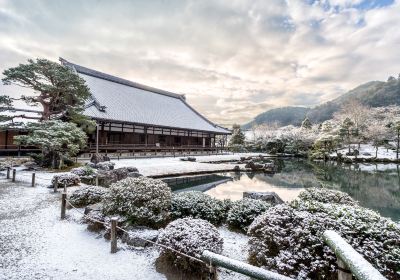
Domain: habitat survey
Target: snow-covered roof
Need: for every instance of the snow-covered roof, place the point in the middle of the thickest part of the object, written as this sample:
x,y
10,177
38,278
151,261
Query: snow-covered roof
x,y
117,99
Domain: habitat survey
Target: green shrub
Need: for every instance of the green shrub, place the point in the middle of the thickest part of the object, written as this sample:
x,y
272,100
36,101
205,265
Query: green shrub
x,y
198,205
326,196
143,201
87,195
288,239
192,237
243,212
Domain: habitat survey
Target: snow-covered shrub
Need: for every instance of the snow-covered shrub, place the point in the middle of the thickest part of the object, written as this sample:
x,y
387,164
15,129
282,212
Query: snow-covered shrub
x,y
87,195
199,205
144,201
243,212
69,179
84,171
192,237
326,196
288,239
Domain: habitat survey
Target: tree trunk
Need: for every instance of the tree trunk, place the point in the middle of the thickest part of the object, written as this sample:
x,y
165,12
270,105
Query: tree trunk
x,y
46,111
376,152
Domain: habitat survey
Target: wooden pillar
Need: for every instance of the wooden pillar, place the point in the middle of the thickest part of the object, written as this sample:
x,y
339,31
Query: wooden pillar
x,y
6,139
63,205
145,136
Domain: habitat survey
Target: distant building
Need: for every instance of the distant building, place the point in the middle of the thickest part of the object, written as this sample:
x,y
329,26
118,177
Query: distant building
x,y
133,118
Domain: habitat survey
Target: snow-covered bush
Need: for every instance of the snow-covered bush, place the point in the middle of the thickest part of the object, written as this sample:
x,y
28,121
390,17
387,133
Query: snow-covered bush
x,y
199,205
84,171
326,196
192,237
144,201
243,212
69,179
87,195
288,239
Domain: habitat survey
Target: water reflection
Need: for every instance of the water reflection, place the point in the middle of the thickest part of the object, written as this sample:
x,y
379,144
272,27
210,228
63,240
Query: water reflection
x,y
252,182
375,186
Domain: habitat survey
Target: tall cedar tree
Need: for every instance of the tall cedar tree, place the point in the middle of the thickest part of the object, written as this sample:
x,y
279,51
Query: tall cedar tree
x,y
60,91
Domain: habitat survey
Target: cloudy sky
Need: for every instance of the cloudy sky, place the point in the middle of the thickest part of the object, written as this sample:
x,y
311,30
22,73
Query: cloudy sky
x,y
232,59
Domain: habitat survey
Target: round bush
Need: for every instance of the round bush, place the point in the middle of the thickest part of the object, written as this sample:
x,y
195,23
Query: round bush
x,y
198,205
288,239
144,201
243,212
326,196
192,237
87,195
70,179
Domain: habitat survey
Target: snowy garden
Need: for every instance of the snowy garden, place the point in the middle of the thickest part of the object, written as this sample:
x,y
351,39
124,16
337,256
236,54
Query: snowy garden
x,y
154,224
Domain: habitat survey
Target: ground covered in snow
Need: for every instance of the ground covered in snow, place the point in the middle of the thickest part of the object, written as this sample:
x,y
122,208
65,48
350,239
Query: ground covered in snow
x,y
36,244
171,165
368,151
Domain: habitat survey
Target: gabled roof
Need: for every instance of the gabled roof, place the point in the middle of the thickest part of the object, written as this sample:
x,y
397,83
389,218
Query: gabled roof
x,y
117,99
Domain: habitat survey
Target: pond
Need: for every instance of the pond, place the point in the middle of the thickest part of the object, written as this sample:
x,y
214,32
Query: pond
x,y
375,186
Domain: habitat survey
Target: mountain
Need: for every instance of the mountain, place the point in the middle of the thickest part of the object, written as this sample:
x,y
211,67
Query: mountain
x,y
373,94
282,116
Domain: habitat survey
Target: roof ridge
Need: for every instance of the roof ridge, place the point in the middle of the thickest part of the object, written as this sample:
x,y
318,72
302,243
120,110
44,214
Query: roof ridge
x,y
101,75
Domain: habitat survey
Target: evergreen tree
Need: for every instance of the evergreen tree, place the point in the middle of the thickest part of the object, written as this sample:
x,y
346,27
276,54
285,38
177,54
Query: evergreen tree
x,y
237,137
306,124
5,103
60,91
346,131
56,139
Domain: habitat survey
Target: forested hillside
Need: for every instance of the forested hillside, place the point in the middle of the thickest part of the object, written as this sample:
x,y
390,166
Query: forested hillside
x,y
373,94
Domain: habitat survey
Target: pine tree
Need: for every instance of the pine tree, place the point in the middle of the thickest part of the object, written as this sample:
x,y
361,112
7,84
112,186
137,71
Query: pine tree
x,y
60,91
237,137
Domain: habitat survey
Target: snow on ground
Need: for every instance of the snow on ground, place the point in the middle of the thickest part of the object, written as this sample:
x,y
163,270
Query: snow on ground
x,y
36,244
368,151
171,165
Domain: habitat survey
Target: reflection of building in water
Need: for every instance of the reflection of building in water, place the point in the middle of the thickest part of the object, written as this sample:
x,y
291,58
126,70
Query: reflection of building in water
x,y
198,183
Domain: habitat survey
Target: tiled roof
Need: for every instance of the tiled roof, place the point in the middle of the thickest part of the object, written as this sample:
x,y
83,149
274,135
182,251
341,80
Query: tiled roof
x,y
118,99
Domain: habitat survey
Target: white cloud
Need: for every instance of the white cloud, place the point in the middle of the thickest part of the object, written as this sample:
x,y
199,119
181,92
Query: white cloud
x,y
233,59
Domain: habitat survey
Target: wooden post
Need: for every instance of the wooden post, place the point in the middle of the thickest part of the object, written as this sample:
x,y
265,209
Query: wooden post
x,y
213,272
33,179
14,173
343,271
65,186
63,205
97,179
8,172
113,235
55,184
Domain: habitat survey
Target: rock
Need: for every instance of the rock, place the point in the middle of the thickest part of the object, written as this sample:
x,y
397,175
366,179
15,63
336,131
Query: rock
x,y
107,177
254,166
270,197
136,235
106,165
93,207
134,174
70,179
366,154
188,159
106,158
236,168
95,159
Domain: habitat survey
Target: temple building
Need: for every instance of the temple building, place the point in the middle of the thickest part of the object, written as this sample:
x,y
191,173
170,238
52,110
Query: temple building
x,y
132,117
